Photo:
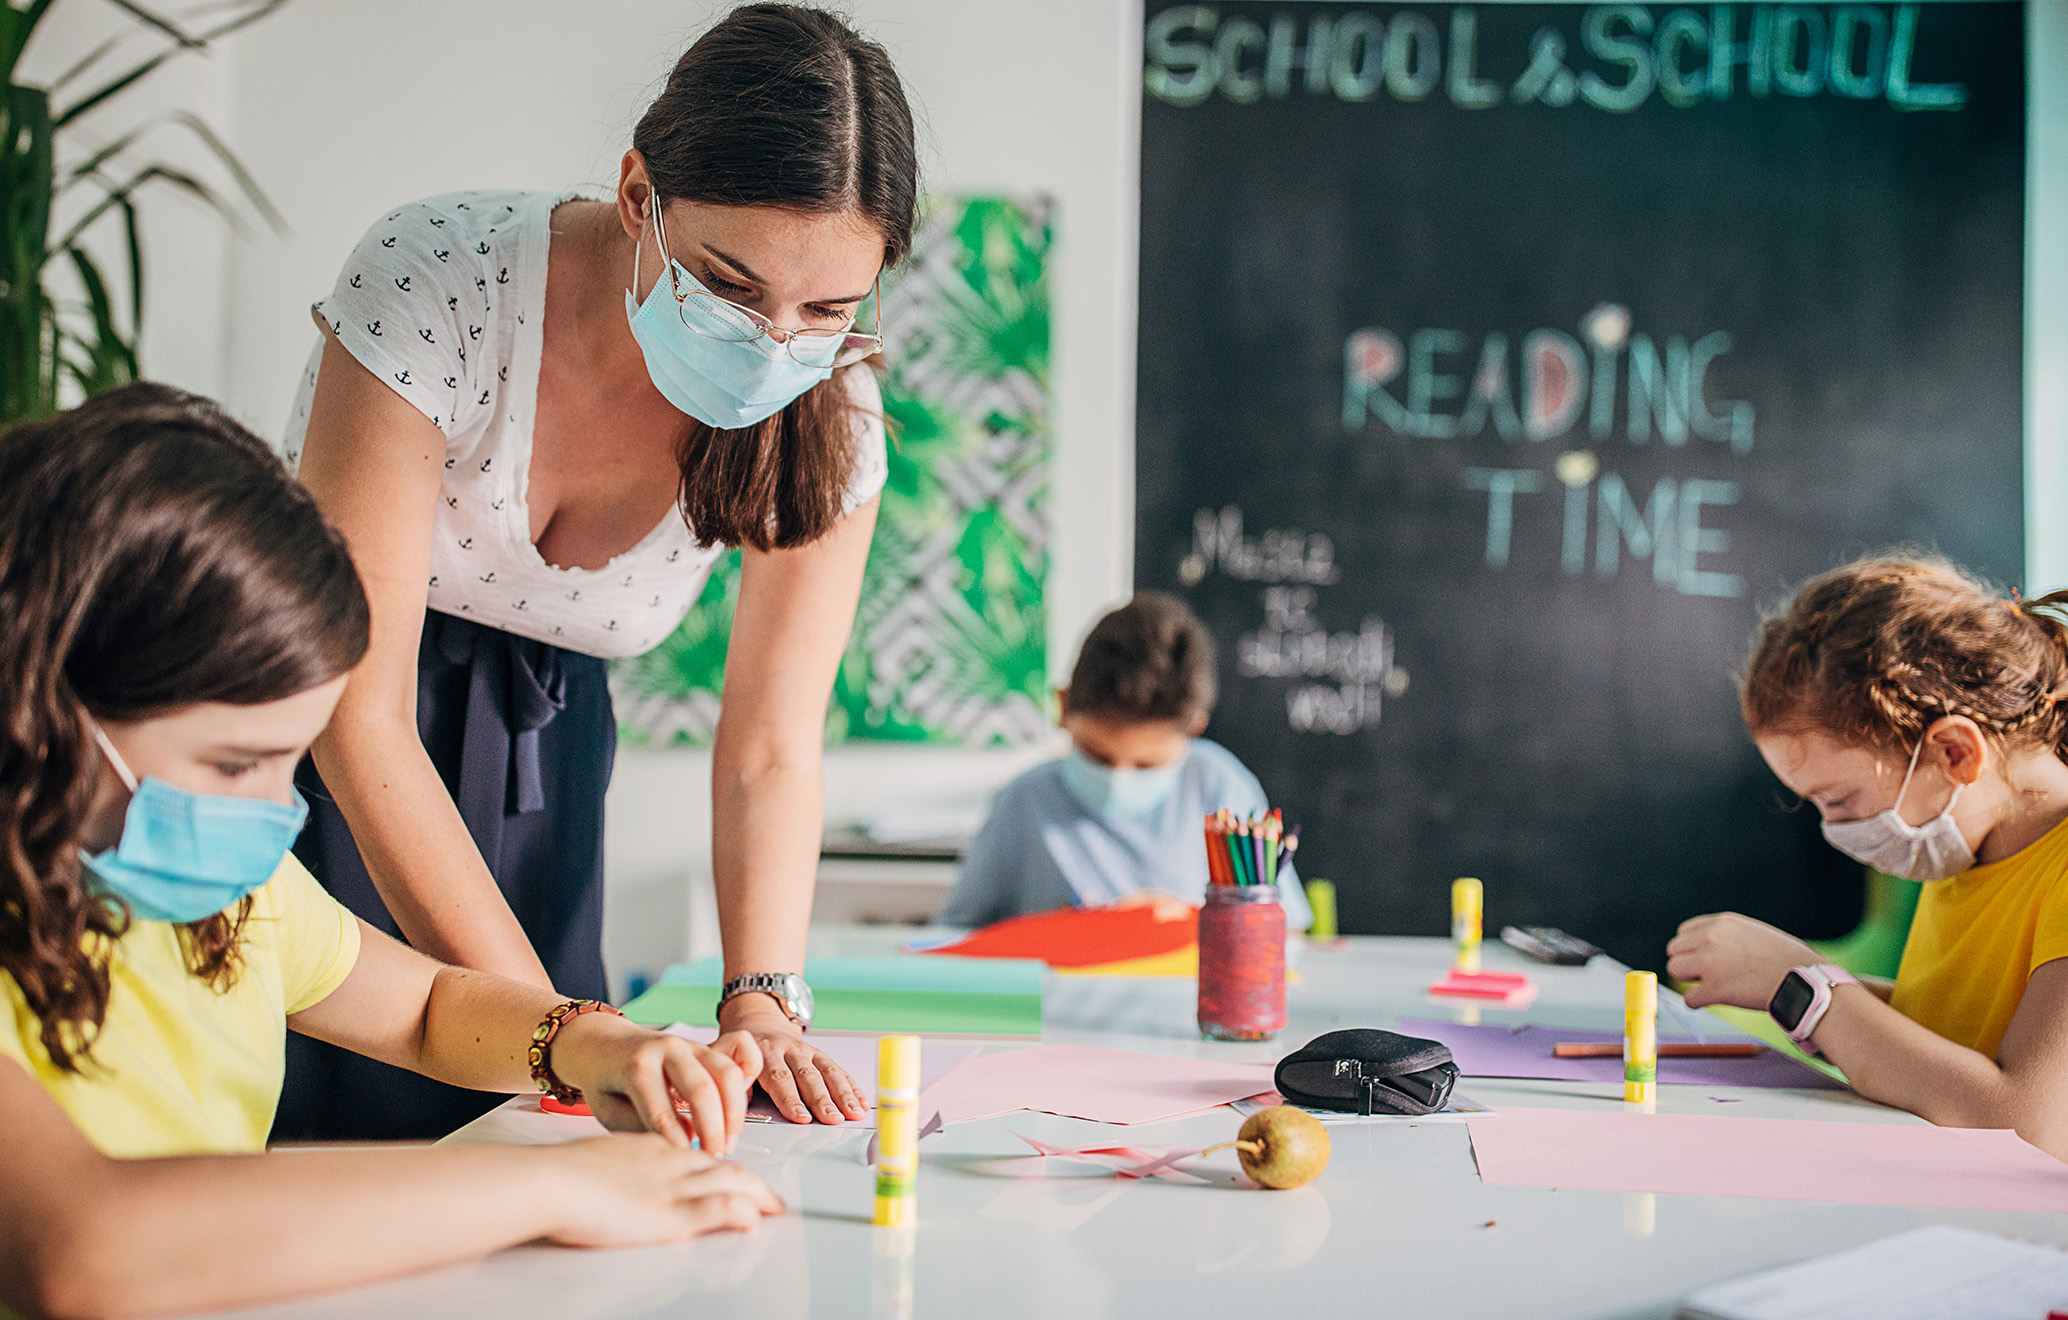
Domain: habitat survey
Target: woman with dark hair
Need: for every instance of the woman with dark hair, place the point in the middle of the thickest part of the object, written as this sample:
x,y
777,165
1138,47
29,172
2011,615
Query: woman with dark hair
x,y
178,624
538,420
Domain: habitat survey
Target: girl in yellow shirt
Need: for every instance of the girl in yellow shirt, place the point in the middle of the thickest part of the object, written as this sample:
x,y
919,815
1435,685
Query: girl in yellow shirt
x,y
1925,717
176,625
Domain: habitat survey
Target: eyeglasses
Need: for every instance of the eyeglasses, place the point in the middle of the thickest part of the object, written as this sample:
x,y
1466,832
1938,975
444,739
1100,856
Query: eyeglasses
x,y
715,318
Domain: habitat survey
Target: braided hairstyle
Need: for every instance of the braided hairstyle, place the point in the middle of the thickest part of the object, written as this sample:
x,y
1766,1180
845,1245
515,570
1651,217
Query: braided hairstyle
x,y
153,555
1878,650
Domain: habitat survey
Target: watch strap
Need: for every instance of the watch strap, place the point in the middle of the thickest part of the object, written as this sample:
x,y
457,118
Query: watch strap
x,y
1823,978
773,984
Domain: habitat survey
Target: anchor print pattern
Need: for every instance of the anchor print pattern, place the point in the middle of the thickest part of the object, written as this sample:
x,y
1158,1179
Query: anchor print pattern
x,y
424,295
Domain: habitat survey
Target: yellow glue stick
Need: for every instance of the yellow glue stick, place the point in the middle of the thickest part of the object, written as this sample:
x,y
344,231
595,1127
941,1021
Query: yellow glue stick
x,y
1640,1037
1467,905
1321,898
897,1129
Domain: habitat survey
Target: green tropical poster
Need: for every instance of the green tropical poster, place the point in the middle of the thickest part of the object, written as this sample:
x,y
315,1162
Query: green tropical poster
x,y
950,639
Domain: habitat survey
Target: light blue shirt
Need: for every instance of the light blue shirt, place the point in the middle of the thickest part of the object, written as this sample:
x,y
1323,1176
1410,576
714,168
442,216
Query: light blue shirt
x,y
1040,849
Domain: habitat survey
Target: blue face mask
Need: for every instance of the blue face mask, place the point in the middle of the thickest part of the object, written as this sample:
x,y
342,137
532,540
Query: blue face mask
x,y
186,856
711,372
1116,794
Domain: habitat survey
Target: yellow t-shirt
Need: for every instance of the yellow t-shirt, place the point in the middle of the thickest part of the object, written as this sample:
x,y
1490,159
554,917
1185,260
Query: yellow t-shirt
x,y
179,1068
1978,937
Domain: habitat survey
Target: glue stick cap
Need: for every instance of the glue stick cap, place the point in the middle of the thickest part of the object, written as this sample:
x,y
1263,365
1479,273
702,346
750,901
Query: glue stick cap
x,y
1641,992
1466,895
897,1063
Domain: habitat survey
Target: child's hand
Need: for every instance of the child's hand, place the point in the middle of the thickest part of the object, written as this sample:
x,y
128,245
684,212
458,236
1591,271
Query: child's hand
x,y
632,1078
1162,906
637,1190
1733,960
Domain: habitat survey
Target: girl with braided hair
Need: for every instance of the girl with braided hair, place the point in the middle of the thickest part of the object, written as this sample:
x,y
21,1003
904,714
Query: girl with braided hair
x,y
1925,717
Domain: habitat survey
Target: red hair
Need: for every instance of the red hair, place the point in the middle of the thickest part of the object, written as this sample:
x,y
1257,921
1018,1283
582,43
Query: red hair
x,y
1878,650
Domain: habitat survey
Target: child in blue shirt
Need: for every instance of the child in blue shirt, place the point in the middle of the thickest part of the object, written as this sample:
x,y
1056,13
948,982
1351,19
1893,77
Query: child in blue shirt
x,y
1123,814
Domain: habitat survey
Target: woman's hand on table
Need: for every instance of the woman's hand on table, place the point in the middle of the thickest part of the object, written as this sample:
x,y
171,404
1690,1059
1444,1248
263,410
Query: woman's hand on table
x,y
803,1082
630,1191
633,1079
1732,959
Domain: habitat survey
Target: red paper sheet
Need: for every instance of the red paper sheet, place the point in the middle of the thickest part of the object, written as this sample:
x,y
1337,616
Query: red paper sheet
x,y
1079,937
1777,1158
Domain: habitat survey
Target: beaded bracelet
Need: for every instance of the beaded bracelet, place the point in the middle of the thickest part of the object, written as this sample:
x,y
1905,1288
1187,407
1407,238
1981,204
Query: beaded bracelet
x,y
541,1053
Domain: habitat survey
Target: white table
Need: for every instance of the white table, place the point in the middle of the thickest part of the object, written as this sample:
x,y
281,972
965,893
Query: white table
x,y
1399,1224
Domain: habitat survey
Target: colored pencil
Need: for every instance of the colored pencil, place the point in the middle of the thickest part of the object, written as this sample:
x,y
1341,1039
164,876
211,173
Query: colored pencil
x,y
1609,1049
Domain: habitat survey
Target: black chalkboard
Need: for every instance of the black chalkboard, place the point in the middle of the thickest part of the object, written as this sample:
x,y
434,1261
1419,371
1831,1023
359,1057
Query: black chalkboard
x,y
1498,365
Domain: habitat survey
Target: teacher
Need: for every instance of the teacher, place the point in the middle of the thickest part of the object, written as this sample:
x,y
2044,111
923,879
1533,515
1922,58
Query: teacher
x,y
539,419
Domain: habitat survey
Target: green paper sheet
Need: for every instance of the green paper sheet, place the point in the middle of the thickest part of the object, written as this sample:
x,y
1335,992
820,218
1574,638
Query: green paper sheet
x,y
970,996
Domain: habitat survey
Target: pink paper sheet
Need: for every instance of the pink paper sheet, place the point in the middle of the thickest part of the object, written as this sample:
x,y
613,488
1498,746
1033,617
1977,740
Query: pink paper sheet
x,y
1080,1081
857,1055
1781,1159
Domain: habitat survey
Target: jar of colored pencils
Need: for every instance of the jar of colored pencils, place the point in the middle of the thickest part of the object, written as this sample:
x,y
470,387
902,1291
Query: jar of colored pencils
x,y
1241,963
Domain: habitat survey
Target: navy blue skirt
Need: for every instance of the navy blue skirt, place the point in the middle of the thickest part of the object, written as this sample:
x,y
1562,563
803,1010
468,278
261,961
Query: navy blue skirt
x,y
524,737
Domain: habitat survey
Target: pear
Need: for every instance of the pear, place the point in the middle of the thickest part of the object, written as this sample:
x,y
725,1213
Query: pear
x,y
1280,1147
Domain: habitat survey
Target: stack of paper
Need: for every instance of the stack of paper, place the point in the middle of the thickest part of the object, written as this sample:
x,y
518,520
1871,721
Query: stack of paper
x,y
946,996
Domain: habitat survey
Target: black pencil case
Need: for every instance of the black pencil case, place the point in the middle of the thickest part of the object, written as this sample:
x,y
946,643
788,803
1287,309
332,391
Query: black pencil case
x,y
1363,1071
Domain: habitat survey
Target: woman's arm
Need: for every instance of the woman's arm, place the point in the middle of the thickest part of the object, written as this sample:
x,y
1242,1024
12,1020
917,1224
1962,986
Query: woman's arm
x,y
374,464
85,1235
1887,1057
795,611
474,1029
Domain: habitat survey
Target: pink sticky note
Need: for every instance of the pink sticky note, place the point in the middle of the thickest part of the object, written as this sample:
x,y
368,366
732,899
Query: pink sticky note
x,y
1508,989
1781,1159
1081,1081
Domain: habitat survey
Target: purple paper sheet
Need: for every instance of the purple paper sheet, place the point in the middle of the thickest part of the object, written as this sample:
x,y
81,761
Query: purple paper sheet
x,y
1497,1051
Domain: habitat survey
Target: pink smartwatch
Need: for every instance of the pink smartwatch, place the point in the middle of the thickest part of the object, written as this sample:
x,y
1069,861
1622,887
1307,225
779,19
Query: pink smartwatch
x,y
1805,994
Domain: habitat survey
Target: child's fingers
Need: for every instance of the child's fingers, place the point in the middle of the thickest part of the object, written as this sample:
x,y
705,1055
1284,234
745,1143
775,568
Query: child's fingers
x,y
701,1094
724,1071
727,1179
743,1050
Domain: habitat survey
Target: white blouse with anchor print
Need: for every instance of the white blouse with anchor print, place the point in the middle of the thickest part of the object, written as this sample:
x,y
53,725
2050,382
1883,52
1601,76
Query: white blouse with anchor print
x,y
445,300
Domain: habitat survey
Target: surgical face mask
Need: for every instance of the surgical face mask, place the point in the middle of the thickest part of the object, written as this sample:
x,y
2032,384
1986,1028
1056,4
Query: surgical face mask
x,y
186,856
707,357
1113,794
1887,842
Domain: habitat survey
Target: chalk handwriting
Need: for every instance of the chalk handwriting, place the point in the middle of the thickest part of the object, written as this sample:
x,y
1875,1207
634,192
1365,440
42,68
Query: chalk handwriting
x,y
1620,58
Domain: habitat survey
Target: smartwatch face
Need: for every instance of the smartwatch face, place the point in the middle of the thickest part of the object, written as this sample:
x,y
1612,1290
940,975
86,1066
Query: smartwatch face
x,y
1791,1001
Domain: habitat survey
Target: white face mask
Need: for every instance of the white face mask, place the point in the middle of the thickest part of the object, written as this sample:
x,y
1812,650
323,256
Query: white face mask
x,y
1887,842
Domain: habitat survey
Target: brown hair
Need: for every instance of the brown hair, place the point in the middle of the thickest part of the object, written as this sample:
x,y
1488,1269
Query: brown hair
x,y
153,554
1878,650
782,106
1151,659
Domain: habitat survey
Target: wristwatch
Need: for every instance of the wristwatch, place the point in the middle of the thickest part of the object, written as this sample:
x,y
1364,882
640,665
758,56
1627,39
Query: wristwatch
x,y
1805,994
788,988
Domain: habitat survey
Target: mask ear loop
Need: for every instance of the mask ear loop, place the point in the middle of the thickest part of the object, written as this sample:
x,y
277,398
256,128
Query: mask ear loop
x,y
114,757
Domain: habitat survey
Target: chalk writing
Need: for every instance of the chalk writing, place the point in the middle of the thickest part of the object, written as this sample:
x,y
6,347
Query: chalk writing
x,y
1620,58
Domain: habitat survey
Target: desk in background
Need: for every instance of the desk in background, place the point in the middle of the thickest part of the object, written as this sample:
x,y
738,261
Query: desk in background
x,y
1399,1224
866,882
